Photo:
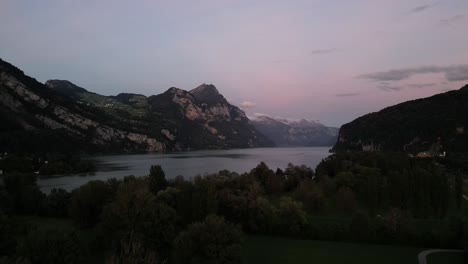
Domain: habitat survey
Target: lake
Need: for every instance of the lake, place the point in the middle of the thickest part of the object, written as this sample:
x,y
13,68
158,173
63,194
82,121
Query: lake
x,y
188,164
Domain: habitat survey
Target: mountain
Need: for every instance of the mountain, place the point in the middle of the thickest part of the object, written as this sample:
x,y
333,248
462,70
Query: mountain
x,y
208,94
61,116
286,132
433,125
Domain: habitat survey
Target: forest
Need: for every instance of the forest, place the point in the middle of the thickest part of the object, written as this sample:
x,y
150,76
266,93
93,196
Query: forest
x,y
360,197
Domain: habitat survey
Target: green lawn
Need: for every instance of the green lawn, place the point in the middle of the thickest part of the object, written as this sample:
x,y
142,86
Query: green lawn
x,y
277,250
444,258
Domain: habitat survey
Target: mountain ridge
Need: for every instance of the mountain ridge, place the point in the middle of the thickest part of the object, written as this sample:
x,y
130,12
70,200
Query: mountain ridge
x,y
287,132
433,125
172,121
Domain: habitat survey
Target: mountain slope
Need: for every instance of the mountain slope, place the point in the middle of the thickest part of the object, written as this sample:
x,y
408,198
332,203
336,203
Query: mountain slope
x,y
304,132
35,117
433,124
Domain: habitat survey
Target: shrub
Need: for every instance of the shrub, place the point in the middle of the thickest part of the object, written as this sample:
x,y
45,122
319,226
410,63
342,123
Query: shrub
x,y
52,247
212,241
87,202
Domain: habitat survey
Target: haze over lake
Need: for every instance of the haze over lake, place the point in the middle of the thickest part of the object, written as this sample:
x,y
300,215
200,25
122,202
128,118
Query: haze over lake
x,y
189,164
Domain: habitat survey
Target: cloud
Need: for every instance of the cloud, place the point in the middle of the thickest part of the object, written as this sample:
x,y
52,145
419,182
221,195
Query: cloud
x,y
452,73
247,104
346,94
389,88
451,20
421,85
257,116
283,61
419,8
322,51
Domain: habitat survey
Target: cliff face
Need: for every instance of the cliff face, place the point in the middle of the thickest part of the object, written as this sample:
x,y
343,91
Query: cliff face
x,y
434,124
285,132
35,115
198,122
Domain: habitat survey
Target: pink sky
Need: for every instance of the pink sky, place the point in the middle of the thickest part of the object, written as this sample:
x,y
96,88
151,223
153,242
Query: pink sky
x,y
326,60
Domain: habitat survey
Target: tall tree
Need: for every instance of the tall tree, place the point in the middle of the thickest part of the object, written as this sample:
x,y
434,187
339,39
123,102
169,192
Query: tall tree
x,y
157,179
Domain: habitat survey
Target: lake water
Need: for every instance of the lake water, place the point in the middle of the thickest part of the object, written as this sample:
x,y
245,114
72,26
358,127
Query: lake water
x,y
188,164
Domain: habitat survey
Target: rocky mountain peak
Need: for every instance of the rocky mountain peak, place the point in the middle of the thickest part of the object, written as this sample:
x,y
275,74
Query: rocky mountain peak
x,y
207,93
172,90
293,132
60,111
65,87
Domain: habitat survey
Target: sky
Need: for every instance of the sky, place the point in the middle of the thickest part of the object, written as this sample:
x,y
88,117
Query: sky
x,y
328,60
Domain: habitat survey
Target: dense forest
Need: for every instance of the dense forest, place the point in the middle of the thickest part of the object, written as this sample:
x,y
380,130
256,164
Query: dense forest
x,y
434,124
361,197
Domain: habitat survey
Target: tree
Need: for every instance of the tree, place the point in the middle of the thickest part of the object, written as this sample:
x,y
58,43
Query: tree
x,y
395,224
157,179
87,202
263,174
57,203
292,217
274,184
212,241
345,200
204,198
295,175
132,250
458,189
24,193
311,196
261,216
135,218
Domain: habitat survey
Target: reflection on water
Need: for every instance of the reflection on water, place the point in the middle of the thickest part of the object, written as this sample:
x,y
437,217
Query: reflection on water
x,y
212,155
189,164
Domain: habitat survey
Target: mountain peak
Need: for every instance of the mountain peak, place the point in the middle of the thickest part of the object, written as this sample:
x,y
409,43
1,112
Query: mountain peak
x,y
172,90
64,87
206,88
295,132
464,88
207,93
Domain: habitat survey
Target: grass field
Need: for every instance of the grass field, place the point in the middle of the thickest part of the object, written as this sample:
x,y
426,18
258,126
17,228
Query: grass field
x,y
280,251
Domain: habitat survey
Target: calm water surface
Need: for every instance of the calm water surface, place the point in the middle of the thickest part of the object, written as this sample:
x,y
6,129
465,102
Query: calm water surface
x,y
188,164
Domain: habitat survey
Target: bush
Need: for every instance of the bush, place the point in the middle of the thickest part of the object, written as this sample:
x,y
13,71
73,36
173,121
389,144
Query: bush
x,y
7,241
360,227
57,203
132,250
24,194
87,202
311,196
262,216
134,217
345,200
212,241
52,247
292,217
